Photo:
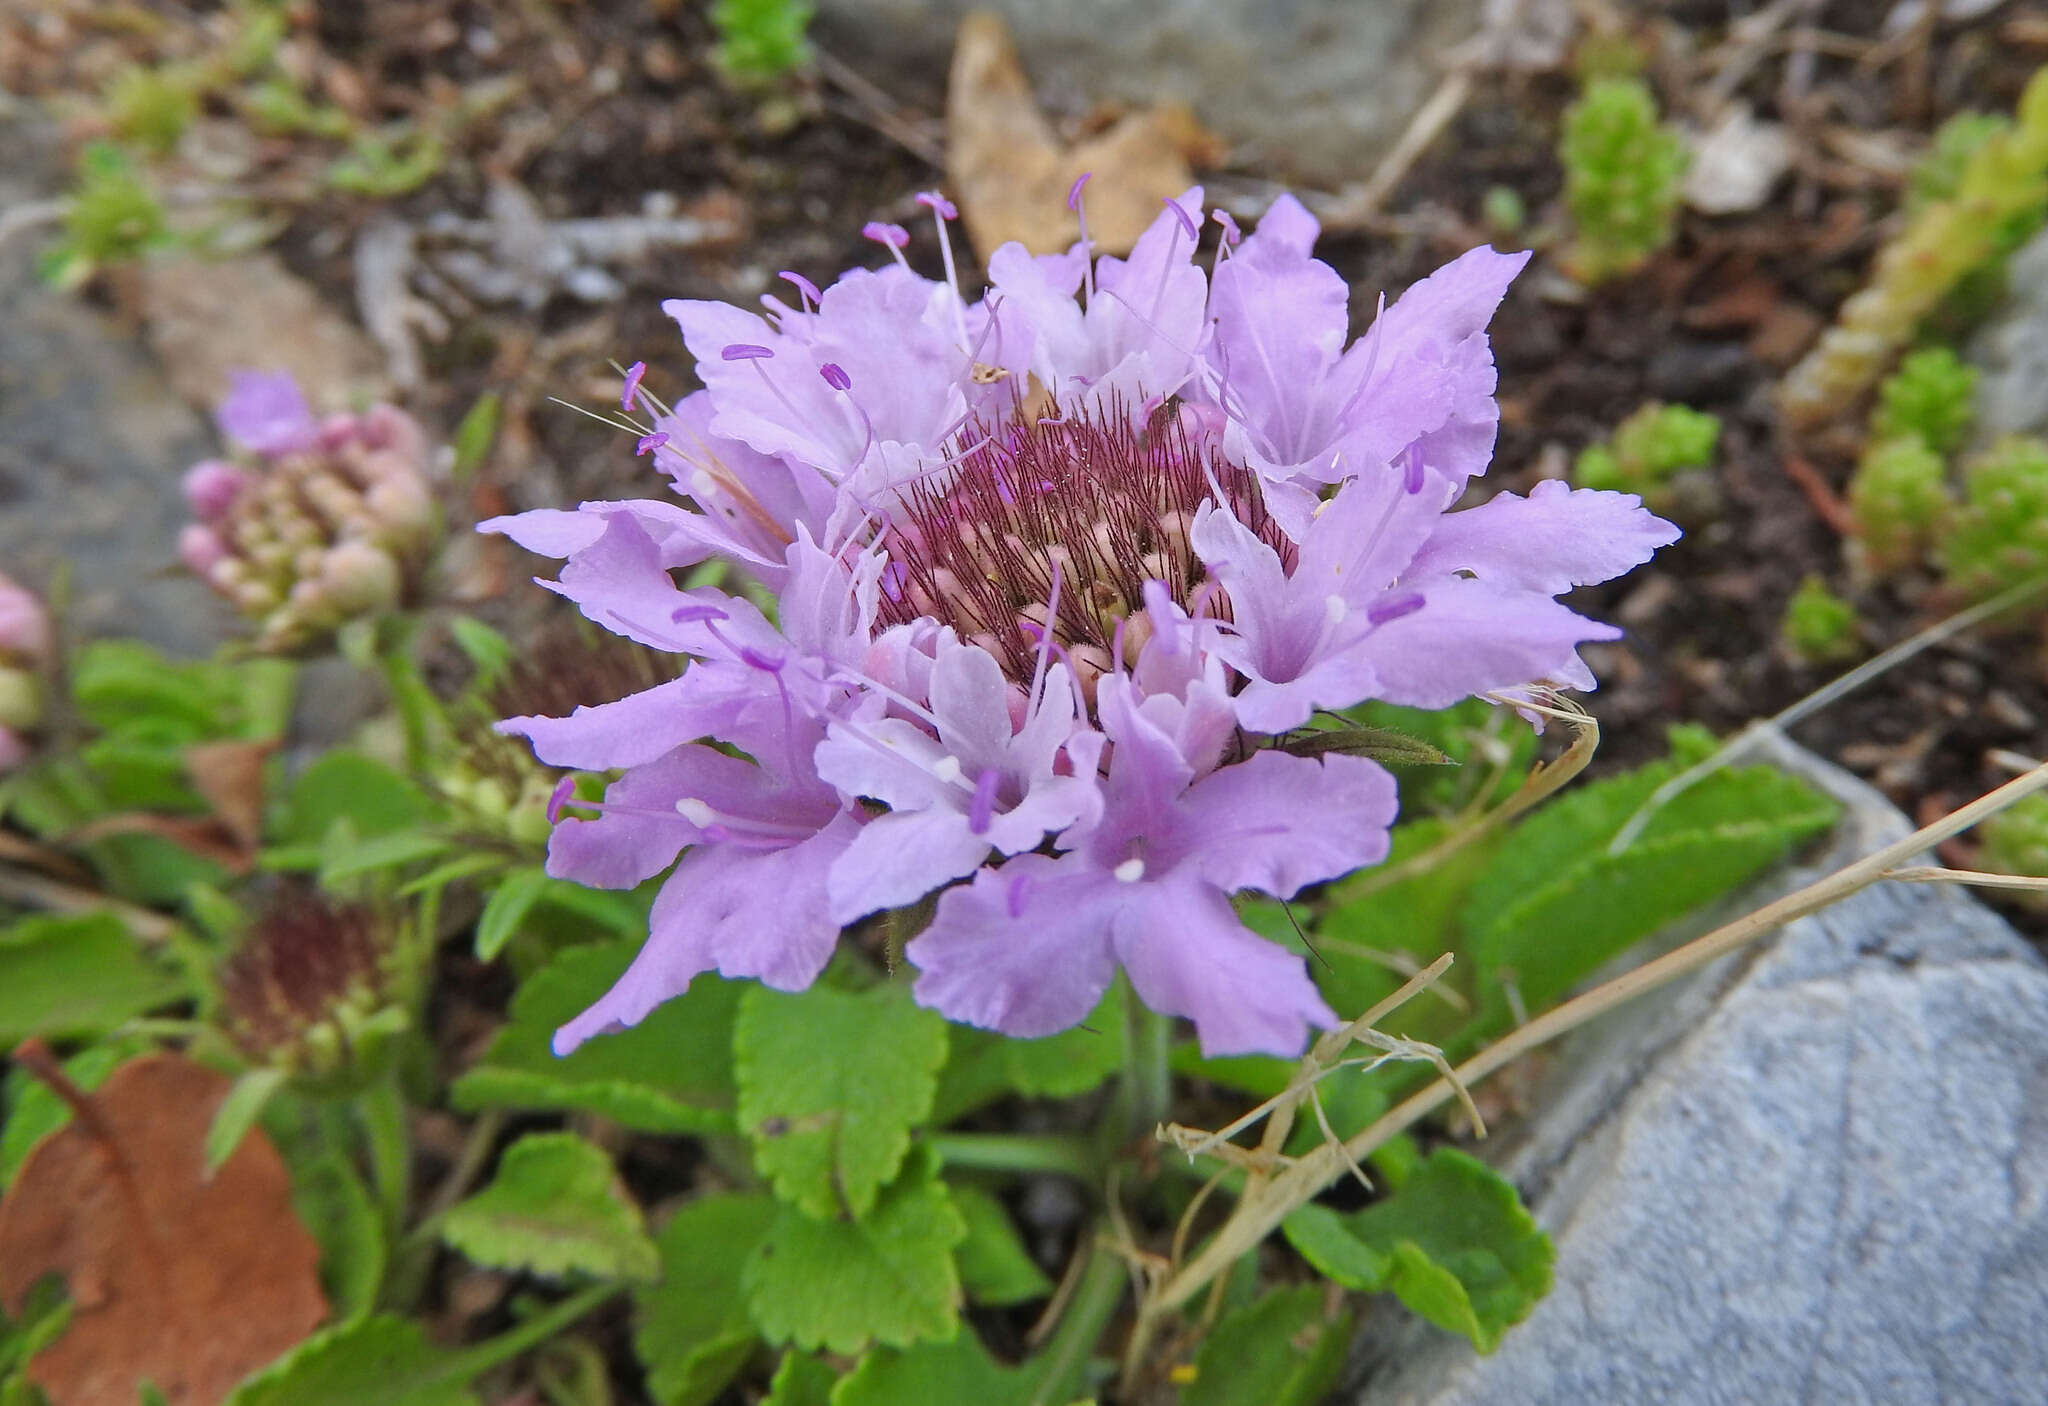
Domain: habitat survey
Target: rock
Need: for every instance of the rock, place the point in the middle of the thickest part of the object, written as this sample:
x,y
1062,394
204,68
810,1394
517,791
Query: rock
x,y
1816,1172
95,441
1736,162
2012,349
1312,89
208,318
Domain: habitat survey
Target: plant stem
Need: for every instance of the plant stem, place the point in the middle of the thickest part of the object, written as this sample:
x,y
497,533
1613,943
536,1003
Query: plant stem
x,y
1259,1213
382,1110
1017,1152
1095,1302
1148,1075
473,1361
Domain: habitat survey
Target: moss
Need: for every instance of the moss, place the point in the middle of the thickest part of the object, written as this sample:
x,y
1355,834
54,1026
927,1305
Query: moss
x,y
1899,498
1930,395
1819,626
1998,537
1622,171
1645,450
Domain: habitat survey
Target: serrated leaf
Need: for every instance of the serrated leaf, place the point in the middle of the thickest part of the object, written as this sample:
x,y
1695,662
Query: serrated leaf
x,y
840,1285
340,785
939,1374
75,977
1553,905
380,1361
1454,1244
555,1207
1283,1350
672,1073
801,1380
1489,747
330,1197
995,1268
830,1085
691,1330
507,908
238,1113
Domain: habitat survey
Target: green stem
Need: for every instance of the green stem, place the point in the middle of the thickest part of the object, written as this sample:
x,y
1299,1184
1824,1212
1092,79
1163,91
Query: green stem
x,y
1148,1075
1096,1299
474,1361
1016,1152
382,1110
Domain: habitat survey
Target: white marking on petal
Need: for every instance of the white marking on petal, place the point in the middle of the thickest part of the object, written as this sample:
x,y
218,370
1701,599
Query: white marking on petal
x,y
1334,607
696,812
1130,871
947,769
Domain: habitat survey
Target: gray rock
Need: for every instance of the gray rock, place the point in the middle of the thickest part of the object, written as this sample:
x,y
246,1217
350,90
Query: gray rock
x,y
2012,349
1316,89
1818,1171
92,442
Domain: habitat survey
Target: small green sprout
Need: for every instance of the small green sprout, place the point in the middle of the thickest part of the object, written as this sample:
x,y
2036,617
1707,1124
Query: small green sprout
x,y
382,166
1938,174
1898,497
113,216
1648,448
1819,626
1622,171
2016,839
152,107
761,40
1998,537
1504,210
1930,395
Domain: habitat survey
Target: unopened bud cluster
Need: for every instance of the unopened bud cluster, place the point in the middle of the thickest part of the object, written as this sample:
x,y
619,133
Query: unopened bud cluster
x,y
311,531
24,650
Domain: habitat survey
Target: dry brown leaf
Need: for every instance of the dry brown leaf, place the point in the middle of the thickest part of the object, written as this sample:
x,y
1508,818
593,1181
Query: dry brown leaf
x,y
229,777
1009,173
203,835
189,1282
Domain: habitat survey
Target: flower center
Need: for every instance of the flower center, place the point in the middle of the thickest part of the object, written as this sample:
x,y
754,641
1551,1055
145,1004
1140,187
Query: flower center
x,y
1105,498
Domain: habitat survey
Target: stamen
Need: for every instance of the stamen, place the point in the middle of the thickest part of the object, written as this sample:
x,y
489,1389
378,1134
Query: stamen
x,y
1080,209
1380,612
745,351
890,237
806,289
1232,235
649,443
1130,871
981,810
1411,468
1187,221
692,614
835,376
943,210
564,789
632,389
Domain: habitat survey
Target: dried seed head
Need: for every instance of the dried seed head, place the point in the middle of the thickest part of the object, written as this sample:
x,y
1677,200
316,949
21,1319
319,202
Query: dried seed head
x,y
306,977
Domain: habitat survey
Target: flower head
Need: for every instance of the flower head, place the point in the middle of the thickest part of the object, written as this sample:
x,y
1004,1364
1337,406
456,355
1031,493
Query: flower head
x,y
321,522
1058,574
25,642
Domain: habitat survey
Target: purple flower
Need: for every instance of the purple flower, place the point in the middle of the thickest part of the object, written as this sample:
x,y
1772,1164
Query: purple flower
x,y
266,413
1056,573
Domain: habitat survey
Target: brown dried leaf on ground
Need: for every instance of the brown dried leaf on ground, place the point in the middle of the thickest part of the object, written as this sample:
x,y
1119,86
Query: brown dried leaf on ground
x,y
1010,174
189,1282
229,777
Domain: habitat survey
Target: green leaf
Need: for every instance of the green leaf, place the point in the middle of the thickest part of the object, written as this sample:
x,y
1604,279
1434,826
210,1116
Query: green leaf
x,y
995,1268
76,977
671,1073
1283,1350
840,1285
370,795
238,1113
507,908
380,1361
473,438
331,1198
830,1085
801,1380
1553,905
33,1112
555,1207
939,1374
982,1066
1382,744
1454,1244
345,856
117,681
691,1329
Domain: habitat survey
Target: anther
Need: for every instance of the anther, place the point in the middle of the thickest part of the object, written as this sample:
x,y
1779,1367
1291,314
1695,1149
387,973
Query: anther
x,y
649,443
835,376
804,287
1381,612
938,204
632,388
894,236
981,810
744,351
1187,221
564,789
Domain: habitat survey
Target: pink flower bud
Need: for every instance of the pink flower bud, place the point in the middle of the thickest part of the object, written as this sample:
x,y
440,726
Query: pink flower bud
x,y
24,624
212,486
13,751
201,549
